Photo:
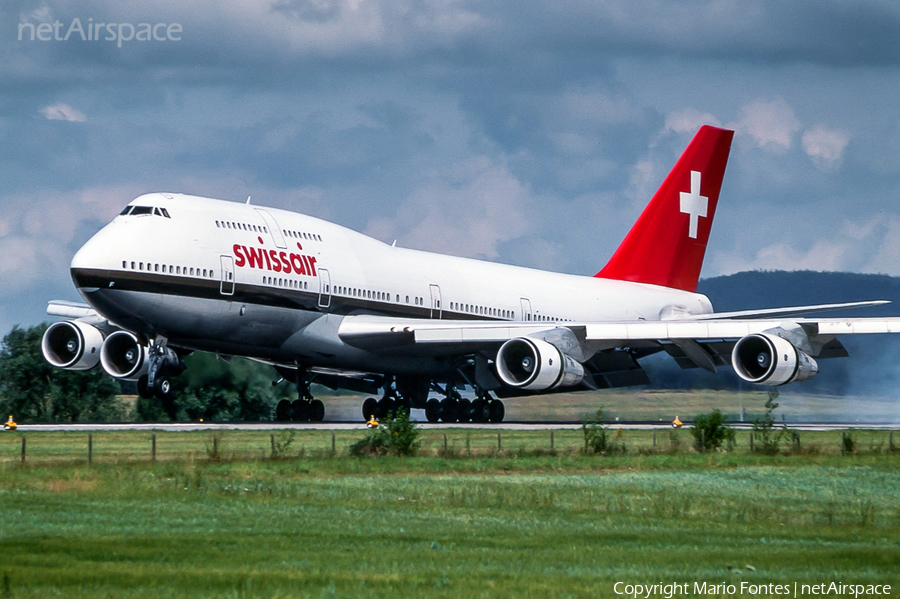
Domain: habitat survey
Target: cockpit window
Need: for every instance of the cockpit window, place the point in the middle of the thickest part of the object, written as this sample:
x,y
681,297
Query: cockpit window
x,y
139,210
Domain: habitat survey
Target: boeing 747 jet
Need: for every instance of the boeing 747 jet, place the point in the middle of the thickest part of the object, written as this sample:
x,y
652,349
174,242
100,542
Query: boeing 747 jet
x,y
175,273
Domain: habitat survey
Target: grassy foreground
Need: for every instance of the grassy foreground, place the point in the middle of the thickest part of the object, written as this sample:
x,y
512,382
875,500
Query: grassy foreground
x,y
524,522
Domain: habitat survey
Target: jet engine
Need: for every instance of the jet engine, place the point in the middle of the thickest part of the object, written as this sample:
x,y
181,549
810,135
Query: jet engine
x,y
72,345
123,357
770,360
535,365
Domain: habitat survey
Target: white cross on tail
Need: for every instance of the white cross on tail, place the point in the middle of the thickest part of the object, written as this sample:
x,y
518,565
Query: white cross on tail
x,y
694,204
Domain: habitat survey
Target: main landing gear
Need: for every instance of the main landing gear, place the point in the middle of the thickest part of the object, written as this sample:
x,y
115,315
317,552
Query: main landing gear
x,y
455,408
392,402
303,409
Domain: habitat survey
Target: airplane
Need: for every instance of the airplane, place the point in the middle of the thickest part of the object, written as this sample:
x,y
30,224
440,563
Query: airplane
x,y
175,273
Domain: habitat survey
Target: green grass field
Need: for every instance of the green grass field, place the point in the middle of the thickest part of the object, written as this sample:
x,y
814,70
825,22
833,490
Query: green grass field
x,y
471,521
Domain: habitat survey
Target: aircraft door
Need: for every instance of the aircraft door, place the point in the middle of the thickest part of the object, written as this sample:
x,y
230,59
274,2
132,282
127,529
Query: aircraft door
x,y
274,229
324,288
226,286
526,309
435,301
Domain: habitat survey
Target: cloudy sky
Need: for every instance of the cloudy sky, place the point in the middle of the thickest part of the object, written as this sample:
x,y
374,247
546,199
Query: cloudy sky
x,y
518,131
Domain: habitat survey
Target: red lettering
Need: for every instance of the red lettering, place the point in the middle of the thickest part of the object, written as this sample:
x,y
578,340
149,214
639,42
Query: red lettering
x,y
255,257
266,256
297,263
312,266
285,261
239,255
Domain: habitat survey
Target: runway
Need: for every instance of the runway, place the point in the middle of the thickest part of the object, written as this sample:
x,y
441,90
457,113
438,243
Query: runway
x,y
347,425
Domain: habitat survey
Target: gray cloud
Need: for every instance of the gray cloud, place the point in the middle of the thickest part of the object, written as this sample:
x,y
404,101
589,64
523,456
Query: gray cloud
x,y
526,132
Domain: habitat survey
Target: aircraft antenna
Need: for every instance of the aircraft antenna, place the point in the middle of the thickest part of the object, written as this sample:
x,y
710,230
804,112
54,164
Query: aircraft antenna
x,y
248,199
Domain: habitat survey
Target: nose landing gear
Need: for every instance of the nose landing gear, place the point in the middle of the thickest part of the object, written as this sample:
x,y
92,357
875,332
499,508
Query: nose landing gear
x,y
163,365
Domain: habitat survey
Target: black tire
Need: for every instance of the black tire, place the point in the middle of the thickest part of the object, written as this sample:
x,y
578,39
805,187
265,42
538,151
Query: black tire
x,y
143,389
385,405
370,408
432,410
448,409
316,410
283,410
299,410
480,411
464,410
497,410
163,387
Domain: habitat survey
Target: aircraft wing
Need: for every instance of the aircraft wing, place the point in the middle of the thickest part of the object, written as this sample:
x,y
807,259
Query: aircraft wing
x,y
762,350
67,309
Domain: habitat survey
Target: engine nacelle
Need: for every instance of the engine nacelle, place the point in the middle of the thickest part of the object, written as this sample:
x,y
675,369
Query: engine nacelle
x,y
770,360
535,365
123,357
72,345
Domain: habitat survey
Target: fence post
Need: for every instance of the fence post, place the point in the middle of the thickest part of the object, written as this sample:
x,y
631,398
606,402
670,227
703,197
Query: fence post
x,y
153,447
843,442
216,446
90,448
751,441
272,443
891,441
445,442
702,440
654,439
23,449
551,439
332,441
499,444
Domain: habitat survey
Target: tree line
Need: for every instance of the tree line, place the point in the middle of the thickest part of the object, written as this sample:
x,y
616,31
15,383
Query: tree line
x,y
34,391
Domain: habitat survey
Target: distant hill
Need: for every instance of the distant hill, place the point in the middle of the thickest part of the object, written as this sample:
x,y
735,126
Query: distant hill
x,y
777,288
871,369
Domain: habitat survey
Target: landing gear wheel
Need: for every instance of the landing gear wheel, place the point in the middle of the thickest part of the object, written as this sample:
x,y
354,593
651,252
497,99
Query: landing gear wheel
x,y
143,390
370,408
464,410
299,410
480,411
163,387
316,410
432,410
283,410
385,405
448,409
497,410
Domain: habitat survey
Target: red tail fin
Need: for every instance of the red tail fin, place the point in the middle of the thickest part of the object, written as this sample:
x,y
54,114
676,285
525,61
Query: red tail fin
x,y
667,243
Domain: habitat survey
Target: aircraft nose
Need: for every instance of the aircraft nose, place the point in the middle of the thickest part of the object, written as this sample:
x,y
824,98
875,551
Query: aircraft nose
x,y
94,254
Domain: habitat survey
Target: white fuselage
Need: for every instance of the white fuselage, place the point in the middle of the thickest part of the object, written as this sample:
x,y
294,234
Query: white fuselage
x,y
261,282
